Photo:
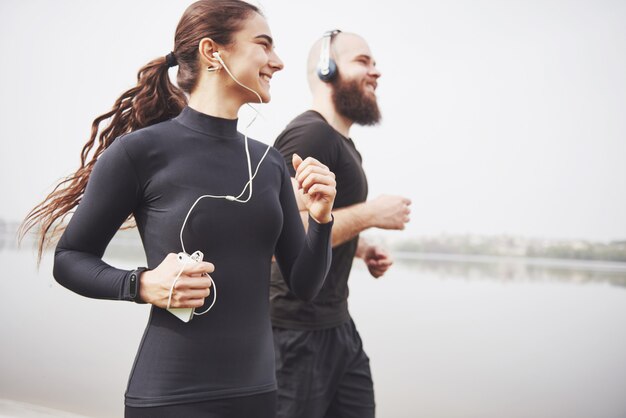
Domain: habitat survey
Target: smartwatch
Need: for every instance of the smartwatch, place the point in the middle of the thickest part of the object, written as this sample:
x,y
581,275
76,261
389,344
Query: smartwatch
x,y
133,284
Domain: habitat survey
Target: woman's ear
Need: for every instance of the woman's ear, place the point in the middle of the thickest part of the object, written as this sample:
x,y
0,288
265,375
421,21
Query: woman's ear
x,y
206,48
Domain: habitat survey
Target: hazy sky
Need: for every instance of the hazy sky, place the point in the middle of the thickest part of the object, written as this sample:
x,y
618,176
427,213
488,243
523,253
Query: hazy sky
x,y
499,116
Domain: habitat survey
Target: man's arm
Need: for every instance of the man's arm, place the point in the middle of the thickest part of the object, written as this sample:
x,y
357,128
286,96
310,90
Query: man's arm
x,y
385,212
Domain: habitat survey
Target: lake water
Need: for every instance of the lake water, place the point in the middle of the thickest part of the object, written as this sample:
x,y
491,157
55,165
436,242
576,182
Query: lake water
x,y
447,338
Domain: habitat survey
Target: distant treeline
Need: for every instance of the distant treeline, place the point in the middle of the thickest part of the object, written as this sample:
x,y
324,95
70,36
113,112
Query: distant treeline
x,y
516,247
500,245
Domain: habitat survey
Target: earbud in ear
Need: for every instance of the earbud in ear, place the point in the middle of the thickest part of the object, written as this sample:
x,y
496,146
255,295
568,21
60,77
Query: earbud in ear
x,y
217,56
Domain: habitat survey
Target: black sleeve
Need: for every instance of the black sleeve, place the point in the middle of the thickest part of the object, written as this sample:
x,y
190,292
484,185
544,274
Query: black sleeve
x,y
304,260
112,193
317,140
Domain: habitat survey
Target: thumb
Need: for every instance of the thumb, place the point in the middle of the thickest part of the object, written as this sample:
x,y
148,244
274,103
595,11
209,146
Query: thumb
x,y
296,160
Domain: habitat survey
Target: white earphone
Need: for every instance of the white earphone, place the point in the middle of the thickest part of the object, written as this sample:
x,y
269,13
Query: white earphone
x,y
230,198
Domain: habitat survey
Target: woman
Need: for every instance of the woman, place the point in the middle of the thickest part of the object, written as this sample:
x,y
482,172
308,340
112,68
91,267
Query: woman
x,y
192,182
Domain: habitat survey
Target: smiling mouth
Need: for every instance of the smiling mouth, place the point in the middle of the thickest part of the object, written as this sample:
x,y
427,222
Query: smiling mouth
x,y
266,78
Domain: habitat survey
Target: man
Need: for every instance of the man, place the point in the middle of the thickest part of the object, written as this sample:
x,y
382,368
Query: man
x,y
322,370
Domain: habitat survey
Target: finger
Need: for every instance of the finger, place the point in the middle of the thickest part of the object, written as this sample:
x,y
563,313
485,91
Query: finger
x,y
195,294
312,170
380,260
191,303
324,182
384,264
371,264
199,268
317,179
384,258
407,201
320,191
306,163
188,299
296,160
380,270
305,180
379,264
202,282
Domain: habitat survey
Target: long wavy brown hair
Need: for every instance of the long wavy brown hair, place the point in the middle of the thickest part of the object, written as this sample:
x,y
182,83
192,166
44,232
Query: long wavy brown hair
x,y
154,99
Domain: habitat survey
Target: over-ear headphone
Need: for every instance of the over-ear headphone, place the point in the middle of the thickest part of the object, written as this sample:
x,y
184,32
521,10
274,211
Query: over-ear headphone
x,y
327,68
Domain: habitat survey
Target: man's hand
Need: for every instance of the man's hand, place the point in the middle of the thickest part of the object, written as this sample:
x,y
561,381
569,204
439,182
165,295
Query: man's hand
x,y
390,212
377,260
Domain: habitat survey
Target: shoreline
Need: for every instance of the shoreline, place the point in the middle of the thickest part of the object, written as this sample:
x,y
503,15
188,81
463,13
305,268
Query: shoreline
x,y
567,263
10,408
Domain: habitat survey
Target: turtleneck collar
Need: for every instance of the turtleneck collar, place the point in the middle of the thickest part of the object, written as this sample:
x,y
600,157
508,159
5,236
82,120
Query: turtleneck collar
x,y
207,124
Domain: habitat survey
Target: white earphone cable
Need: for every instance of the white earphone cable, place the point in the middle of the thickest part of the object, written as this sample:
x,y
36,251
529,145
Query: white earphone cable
x,y
230,198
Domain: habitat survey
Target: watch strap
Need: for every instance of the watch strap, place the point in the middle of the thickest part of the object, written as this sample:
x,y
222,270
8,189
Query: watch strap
x,y
133,284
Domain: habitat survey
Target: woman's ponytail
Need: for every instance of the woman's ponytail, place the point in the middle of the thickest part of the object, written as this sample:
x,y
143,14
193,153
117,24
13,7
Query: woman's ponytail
x,y
154,99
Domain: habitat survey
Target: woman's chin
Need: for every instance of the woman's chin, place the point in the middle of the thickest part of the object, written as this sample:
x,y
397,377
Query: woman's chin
x,y
265,96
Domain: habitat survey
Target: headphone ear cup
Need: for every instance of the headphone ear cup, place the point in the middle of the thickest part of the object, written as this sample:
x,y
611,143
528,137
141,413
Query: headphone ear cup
x,y
328,74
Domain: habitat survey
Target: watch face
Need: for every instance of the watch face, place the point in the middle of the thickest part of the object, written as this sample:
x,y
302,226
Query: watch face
x,y
133,285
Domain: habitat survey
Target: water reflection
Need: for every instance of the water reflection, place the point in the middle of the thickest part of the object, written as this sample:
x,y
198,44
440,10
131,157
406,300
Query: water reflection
x,y
126,246
442,332
515,269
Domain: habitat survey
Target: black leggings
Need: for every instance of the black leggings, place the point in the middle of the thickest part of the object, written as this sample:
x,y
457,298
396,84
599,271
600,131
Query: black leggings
x,y
255,406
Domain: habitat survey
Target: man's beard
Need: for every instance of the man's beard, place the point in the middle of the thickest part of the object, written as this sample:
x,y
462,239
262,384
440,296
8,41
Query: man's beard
x,y
352,102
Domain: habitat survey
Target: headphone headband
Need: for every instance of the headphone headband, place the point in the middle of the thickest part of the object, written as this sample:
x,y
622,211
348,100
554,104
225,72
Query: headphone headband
x,y
327,68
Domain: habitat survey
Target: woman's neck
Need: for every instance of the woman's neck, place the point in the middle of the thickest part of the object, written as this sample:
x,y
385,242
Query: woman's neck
x,y
213,100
